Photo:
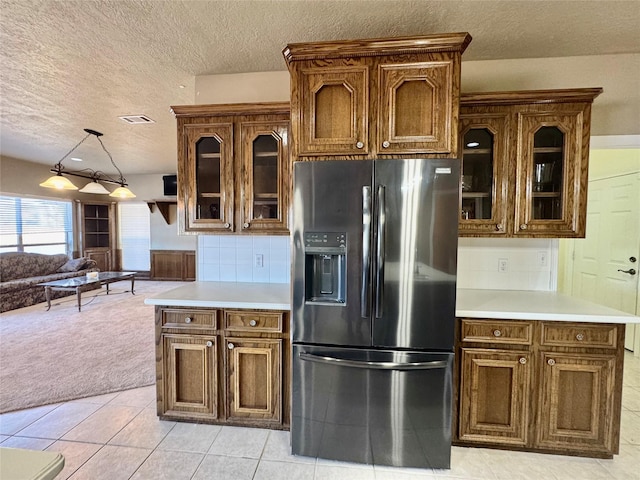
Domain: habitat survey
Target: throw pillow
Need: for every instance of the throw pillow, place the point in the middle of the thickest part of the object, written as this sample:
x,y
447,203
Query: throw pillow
x,y
73,265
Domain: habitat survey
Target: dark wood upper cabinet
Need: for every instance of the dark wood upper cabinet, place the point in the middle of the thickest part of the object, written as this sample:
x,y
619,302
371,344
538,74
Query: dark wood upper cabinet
x,y
525,162
378,98
233,168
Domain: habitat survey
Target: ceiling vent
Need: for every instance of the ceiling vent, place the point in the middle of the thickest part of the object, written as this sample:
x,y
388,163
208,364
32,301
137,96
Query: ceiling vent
x,y
136,119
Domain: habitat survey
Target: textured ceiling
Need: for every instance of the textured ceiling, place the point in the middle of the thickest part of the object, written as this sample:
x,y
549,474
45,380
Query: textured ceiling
x,y
69,65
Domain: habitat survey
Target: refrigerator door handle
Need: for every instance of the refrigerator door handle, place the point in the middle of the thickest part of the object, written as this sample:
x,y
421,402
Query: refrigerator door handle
x,y
380,248
436,364
366,251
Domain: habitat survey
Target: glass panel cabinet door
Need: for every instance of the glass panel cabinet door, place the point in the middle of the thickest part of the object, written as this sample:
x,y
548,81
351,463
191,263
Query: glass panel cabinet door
x,y
209,190
484,185
550,151
265,187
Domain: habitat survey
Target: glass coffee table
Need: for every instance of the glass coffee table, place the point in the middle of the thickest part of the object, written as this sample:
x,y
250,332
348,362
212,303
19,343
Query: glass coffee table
x,y
82,284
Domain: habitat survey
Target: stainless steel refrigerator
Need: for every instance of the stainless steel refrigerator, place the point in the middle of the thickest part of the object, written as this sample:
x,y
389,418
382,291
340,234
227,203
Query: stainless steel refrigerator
x,y
374,287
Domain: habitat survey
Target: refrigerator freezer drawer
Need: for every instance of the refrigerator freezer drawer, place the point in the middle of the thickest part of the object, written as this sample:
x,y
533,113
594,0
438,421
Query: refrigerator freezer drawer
x,y
369,406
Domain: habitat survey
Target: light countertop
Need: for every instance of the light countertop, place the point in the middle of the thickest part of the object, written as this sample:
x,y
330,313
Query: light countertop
x,y
504,304
534,305
266,296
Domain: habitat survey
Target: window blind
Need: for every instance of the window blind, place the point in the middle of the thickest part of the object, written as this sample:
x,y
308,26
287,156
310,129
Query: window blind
x,y
134,227
35,225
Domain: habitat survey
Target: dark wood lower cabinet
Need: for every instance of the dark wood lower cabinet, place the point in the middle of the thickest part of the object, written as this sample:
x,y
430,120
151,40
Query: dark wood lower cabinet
x,y
576,408
558,390
223,366
190,387
253,378
494,398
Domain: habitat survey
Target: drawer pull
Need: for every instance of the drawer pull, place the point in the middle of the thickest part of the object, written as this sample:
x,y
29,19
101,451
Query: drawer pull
x,y
497,333
551,362
245,225
360,145
580,337
187,320
209,344
227,225
499,227
523,226
253,323
523,360
386,144
231,346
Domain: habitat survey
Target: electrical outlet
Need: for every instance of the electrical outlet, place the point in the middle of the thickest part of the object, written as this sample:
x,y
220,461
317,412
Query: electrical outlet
x,y
259,261
542,259
503,264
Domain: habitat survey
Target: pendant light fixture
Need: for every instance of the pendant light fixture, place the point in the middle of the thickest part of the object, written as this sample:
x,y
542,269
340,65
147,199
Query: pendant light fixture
x,y
60,182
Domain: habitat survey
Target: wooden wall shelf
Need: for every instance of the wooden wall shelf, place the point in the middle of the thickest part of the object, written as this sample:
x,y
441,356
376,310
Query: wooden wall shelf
x,y
163,206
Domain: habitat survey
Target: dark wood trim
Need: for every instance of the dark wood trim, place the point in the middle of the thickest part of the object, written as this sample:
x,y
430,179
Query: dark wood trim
x,y
450,42
568,95
232,109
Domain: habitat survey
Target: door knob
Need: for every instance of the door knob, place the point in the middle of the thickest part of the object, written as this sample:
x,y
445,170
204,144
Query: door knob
x,y
631,271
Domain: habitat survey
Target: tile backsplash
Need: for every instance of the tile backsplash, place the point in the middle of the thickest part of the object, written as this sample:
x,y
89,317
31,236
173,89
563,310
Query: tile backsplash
x,y
508,264
243,258
501,264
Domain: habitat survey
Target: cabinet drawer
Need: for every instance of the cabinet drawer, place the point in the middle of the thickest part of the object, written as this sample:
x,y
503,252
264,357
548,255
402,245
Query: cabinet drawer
x,y
497,331
253,321
561,334
188,318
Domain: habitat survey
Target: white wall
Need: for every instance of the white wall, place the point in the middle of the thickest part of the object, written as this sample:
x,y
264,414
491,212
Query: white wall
x,y
164,236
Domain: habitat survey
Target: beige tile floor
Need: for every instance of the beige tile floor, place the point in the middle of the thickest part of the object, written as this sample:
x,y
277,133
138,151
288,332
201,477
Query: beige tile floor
x,y
118,436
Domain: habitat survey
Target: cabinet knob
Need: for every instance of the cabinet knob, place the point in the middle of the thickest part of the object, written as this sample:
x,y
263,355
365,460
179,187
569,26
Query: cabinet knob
x,y
360,145
497,333
227,225
551,362
246,225
209,344
523,360
231,346
523,226
499,227
187,320
253,323
385,144
580,337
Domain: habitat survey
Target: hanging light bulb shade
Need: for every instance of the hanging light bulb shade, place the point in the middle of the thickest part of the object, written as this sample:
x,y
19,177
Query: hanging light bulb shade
x,y
122,192
94,187
58,182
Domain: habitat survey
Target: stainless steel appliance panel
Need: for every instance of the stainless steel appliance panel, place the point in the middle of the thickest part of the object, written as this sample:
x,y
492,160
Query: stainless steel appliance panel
x,y
328,196
372,406
415,258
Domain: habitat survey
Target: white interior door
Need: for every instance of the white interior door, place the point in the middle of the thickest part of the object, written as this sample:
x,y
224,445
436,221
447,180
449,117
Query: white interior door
x,y
605,261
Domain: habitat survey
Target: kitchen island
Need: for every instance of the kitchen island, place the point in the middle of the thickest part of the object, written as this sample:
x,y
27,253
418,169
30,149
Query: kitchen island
x,y
538,371
223,354
535,371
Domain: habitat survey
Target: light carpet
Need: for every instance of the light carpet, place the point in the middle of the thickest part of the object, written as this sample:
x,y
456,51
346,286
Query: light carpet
x,y
63,354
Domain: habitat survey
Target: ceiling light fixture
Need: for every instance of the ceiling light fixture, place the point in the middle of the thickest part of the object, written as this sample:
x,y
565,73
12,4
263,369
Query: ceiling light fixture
x,y
59,182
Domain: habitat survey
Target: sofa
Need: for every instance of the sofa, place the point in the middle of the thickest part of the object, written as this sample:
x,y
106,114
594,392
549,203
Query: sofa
x,y
21,272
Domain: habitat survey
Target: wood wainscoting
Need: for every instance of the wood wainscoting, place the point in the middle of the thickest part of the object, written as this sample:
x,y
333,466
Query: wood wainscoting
x,y
173,265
